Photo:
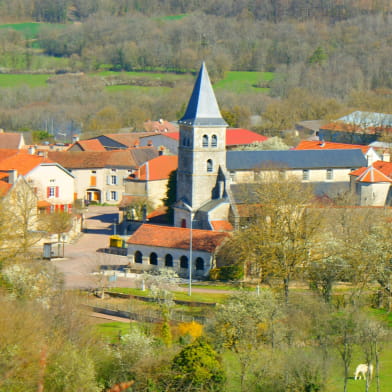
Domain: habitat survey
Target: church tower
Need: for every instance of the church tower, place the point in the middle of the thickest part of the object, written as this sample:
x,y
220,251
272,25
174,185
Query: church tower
x,y
201,152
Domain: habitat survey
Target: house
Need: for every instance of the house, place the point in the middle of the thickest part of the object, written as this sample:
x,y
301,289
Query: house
x,y
357,127
99,175
52,183
11,140
369,152
150,179
152,247
372,184
235,137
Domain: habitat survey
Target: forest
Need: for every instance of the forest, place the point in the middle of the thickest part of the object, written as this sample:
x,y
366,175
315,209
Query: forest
x,y
327,58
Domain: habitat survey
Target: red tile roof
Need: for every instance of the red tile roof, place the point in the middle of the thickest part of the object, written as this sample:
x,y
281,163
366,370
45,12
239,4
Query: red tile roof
x,y
344,127
234,136
159,126
22,162
373,175
173,135
158,168
177,238
237,136
321,145
6,153
130,158
379,171
221,225
130,139
89,145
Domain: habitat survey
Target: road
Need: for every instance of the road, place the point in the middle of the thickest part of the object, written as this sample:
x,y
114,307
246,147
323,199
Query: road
x,y
81,257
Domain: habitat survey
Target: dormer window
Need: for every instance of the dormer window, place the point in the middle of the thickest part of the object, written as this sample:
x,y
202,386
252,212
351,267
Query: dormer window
x,y
214,141
205,141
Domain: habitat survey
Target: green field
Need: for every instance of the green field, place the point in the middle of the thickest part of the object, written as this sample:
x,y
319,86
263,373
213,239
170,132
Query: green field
x,y
244,82
17,80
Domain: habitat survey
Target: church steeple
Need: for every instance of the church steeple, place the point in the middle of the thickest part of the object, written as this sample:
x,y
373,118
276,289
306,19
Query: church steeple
x,y
203,110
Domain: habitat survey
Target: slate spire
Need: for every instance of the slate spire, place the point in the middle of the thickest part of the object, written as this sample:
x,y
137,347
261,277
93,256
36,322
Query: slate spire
x,y
203,108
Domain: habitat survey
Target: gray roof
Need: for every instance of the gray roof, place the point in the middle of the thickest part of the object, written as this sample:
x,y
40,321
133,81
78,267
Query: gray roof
x,y
203,110
295,159
248,193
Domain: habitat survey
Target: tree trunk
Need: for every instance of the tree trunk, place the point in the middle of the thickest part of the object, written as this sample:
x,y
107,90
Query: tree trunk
x,y
286,282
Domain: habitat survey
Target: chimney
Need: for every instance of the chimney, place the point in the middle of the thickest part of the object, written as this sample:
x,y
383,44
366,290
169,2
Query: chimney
x,y
32,150
136,143
12,176
149,142
75,138
386,156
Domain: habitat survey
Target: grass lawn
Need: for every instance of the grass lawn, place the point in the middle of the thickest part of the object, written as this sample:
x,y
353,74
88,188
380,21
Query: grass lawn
x,y
180,295
16,80
244,82
112,330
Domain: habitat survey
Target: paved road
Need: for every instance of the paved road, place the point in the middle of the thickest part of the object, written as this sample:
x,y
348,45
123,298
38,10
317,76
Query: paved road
x,y
81,257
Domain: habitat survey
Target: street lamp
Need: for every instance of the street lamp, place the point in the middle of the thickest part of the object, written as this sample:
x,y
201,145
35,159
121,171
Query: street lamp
x,y
189,208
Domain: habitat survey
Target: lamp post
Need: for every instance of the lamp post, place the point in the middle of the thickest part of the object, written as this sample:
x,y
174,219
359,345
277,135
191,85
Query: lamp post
x,y
189,208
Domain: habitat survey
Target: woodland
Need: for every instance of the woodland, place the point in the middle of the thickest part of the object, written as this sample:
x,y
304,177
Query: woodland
x,y
327,58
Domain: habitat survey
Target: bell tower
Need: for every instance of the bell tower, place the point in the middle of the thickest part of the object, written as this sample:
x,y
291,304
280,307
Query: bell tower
x,y
202,148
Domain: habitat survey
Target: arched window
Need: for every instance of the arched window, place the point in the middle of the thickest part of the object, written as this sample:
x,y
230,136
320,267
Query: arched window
x,y
184,262
210,166
205,141
153,258
168,260
199,264
138,257
214,141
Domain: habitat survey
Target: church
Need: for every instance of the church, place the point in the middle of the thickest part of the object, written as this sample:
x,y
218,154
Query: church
x,y
207,177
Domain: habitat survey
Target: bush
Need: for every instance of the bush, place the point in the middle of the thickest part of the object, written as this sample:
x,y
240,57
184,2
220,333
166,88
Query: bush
x,y
227,272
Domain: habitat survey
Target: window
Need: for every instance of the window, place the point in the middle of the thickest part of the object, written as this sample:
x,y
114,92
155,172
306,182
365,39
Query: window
x,y
52,191
114,180
138,257
199,264
205,141
168,260
184,262
93,180
329,174
183,222
210,166
93,172
214,141
113,195
305,175
153,258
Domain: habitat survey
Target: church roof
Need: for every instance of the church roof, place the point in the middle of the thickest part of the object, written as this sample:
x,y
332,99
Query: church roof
x,y
203,110
177,238
295,159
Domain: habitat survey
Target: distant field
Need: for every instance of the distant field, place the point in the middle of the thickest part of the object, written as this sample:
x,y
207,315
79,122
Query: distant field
x,y
243,82
237,82
29,29
17,80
